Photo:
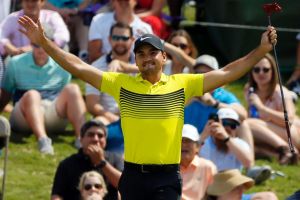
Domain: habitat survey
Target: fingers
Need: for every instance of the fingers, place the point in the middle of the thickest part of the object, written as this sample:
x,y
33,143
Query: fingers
x,y
272,34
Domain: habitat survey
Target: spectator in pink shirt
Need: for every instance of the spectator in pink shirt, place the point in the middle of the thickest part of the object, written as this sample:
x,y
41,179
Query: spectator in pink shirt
x,y
197,173
13,42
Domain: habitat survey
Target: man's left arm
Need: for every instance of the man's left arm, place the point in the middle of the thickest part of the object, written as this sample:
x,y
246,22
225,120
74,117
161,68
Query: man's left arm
x,y
96,154
238,68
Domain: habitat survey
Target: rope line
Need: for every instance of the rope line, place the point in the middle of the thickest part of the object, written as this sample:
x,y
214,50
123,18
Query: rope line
x,y
237,26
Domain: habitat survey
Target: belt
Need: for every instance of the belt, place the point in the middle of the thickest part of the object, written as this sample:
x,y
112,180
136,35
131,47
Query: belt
x,y
148,168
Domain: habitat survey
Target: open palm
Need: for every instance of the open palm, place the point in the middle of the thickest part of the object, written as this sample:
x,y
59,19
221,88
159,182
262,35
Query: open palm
x,y
32,30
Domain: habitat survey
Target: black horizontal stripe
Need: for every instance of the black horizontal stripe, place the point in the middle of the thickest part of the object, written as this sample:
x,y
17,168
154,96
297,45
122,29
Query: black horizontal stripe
x,y
147,106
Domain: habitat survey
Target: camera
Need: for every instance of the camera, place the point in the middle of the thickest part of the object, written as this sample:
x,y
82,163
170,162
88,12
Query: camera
x,y
214,117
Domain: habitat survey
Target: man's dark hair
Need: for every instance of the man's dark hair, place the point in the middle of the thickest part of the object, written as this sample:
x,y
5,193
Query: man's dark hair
x,y
121,25
90,124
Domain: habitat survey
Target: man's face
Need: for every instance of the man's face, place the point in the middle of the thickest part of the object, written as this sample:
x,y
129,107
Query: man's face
x,y
94,136
32,7
149,59
189,149
121,41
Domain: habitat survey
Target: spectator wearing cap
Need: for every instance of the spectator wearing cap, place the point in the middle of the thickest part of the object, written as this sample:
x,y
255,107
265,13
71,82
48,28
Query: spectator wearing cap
x,y
220,144
197,173
231,184
12,42
43,97
152,103
90,157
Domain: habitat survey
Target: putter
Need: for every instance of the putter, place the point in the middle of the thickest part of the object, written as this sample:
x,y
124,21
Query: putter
x,y
269,9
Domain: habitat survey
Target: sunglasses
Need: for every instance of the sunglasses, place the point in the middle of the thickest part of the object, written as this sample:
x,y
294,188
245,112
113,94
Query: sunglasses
x,y
89,186
263,69
181,46
120,37
229,123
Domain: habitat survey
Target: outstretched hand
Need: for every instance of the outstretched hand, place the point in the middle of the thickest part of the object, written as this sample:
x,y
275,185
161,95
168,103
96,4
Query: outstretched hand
x,y
32,30
269,38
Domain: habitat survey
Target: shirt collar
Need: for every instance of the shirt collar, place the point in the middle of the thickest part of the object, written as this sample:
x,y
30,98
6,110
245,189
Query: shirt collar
x,y
163,79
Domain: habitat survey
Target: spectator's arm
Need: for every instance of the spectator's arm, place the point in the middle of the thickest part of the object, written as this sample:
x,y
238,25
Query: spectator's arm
x,y
94,50
180,55
243,154
112,174
129,68
11,49
96,155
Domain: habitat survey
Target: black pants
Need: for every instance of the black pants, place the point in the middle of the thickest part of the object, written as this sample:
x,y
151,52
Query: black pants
x,y
153,185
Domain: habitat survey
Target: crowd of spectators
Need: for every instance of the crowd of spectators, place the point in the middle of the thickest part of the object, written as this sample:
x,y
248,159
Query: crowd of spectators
x,y
220,138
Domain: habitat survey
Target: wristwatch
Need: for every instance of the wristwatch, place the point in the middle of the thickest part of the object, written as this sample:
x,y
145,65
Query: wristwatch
x,y
101,164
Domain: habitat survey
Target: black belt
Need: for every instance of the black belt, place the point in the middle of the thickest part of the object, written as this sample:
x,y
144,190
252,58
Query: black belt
x,y
148,168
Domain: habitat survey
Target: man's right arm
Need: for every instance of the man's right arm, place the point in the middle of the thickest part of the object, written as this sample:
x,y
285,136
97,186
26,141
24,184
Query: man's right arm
x,y
66,60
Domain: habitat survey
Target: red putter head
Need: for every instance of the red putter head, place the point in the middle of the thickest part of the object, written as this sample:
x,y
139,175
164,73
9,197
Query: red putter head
x,y
270,8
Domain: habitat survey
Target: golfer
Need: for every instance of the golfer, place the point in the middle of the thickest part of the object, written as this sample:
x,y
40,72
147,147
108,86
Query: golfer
x,y
152,107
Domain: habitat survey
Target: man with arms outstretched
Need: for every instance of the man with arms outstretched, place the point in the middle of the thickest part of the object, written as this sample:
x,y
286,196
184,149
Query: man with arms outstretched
x,y
152,106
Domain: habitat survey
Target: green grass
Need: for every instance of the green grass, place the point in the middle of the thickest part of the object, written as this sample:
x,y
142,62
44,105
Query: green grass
x,y
30,174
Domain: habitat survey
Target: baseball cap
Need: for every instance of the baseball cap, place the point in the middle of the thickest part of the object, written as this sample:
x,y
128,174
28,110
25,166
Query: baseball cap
x,y
148,39
190,132
228,113
226,181
207,60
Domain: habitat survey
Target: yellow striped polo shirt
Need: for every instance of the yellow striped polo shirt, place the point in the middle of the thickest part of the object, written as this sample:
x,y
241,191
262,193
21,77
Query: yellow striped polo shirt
x,y
152,115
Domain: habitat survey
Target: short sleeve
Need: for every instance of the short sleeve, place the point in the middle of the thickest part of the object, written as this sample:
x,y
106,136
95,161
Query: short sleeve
x,y
193,85
111,83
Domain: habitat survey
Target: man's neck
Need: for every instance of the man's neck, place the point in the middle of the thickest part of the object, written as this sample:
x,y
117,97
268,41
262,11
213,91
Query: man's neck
x,y
152,77
40,62
124,16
